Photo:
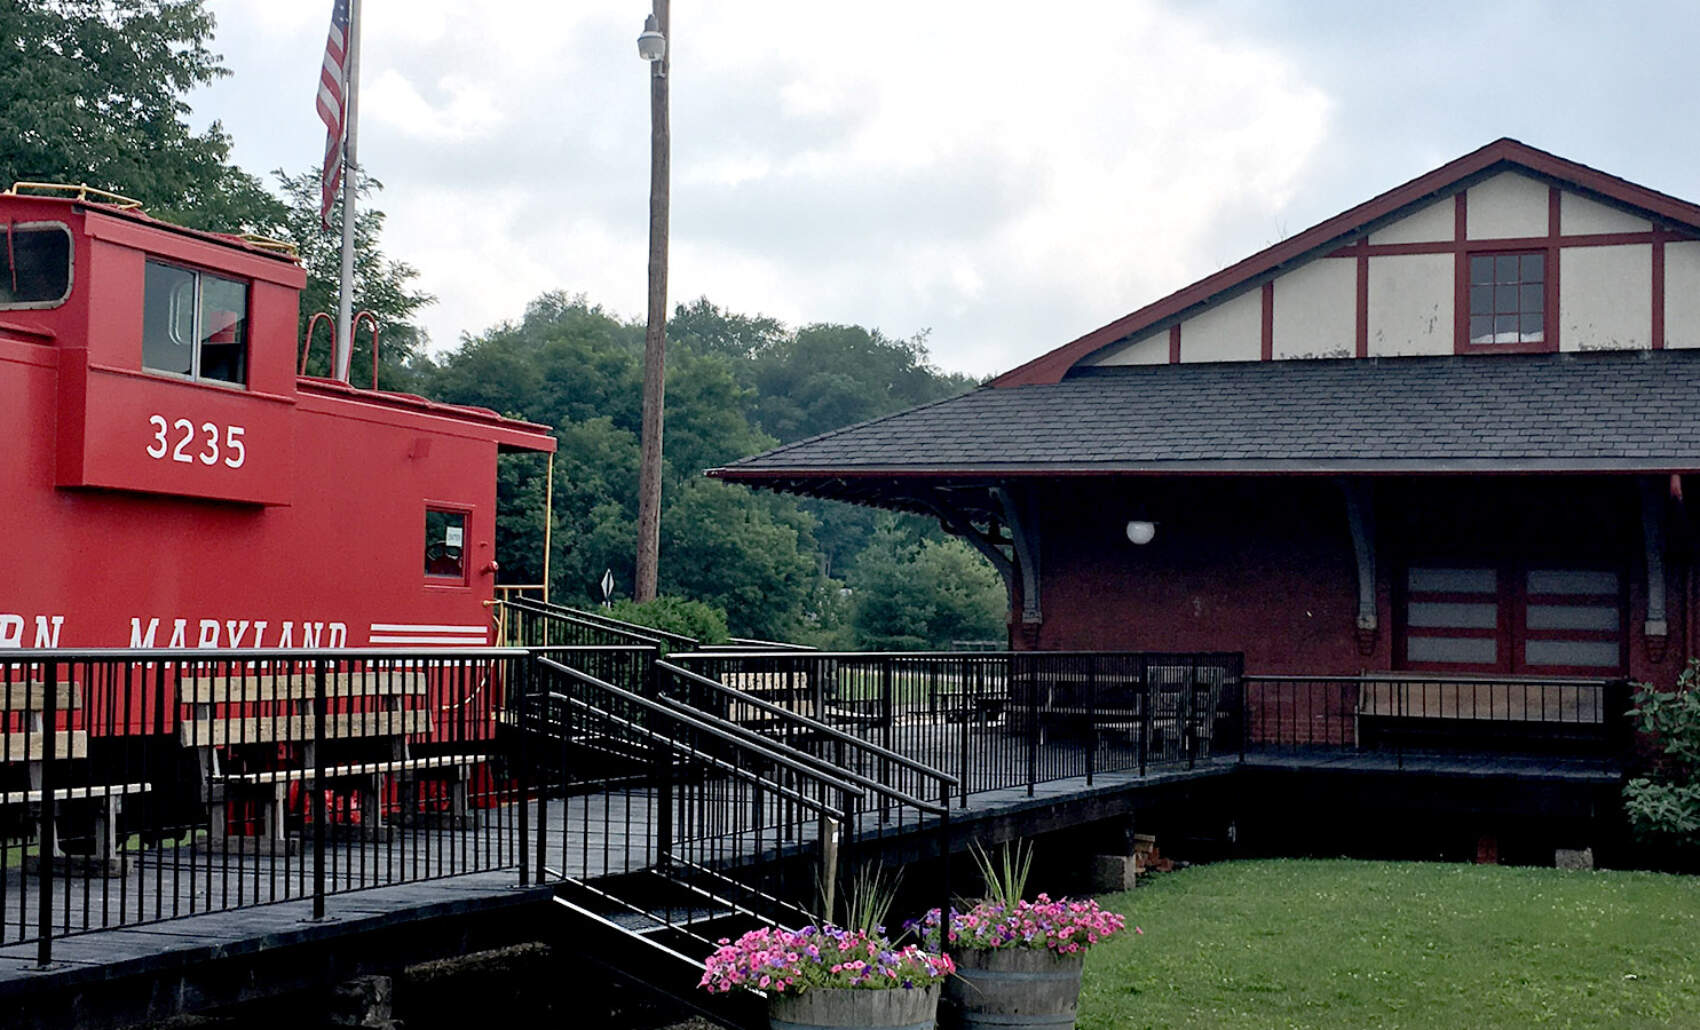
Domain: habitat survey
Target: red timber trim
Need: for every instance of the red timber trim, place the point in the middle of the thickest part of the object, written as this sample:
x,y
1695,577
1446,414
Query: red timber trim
x,y
1658,304
1460,270
1268,320
1550,328
1362,331
1052,366
1175,344
1549,245
1511,632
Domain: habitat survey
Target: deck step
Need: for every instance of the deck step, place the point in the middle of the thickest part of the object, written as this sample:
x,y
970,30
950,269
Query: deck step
x,y
664,920
652,965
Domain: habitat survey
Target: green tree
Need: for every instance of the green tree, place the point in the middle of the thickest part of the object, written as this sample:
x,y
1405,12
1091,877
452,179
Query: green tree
x,y
826,377
769,561
95,93
703,328
381,285
566,360
749,554
912,594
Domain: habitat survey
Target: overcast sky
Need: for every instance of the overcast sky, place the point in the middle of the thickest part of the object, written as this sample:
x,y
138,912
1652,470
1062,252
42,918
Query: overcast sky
x,y
1006,176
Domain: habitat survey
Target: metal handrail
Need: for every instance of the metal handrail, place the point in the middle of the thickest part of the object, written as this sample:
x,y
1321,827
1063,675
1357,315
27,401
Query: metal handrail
x,y
813,725
82,191
270,244
953,655
849,774
738,772
211,655
607,622
765,750
654,637
1441,678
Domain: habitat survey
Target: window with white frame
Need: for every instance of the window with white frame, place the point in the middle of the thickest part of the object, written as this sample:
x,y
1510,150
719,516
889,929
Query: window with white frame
x,y
194,324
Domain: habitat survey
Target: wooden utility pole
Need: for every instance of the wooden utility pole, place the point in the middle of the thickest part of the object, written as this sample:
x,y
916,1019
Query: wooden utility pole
x,y
655,335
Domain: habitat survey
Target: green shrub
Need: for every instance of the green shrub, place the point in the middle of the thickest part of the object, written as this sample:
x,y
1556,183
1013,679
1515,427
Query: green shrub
x,y
1664,806
698,620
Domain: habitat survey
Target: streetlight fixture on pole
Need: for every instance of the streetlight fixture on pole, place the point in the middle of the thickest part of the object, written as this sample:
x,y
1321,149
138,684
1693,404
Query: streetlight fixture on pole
x,y
652,47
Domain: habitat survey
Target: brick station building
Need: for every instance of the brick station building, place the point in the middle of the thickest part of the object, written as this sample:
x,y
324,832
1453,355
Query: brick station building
x,y
1450,429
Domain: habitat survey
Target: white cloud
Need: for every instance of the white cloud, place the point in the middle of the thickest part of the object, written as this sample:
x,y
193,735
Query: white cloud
x,y
1005,175
467,112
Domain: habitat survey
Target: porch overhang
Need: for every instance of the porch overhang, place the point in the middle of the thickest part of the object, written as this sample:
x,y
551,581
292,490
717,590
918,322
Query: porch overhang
x,y
1621,413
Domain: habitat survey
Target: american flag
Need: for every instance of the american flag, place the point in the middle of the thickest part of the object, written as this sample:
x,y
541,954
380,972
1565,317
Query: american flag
x,y
333,107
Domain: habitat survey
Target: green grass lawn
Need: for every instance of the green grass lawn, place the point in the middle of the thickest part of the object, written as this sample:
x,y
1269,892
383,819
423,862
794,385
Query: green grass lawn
x,y
1399,944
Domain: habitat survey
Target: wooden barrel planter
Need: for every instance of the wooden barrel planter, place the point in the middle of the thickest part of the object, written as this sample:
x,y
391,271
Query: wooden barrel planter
x,y
832,1008
1015,987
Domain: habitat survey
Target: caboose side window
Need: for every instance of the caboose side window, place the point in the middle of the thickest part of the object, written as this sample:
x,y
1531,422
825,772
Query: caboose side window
x,y
35,265
194,324
445,545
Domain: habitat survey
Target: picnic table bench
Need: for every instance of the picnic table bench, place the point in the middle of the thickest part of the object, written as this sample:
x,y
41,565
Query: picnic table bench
x,y
1173,706
24,739
373,747
1450,712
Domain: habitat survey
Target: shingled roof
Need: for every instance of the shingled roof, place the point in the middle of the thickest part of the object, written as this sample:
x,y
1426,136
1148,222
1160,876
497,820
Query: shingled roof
x,y
1624,412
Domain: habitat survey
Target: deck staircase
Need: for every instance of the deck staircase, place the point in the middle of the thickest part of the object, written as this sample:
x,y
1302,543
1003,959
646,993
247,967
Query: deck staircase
x,y
666,825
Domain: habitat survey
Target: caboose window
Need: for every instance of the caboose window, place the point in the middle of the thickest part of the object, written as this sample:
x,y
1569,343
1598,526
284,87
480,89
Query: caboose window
x,y
445,544
35,265
194,325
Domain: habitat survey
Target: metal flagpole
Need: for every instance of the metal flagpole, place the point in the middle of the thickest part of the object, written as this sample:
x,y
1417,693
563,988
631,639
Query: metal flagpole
x,y
344,350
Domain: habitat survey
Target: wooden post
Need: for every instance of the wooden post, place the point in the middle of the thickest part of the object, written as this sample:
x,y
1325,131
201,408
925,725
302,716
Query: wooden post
x,y
655,335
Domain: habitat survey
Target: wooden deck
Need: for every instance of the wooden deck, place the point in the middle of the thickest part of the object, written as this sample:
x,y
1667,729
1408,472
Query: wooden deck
x,y
604,835
470,871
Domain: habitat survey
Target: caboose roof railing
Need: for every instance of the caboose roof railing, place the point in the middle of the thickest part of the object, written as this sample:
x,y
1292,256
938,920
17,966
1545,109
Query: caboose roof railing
x,y
76,191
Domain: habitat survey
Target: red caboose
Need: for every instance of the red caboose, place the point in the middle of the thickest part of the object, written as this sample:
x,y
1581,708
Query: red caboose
x,y
171,481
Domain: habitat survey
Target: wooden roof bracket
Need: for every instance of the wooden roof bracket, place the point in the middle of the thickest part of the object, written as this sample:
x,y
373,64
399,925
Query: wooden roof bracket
x,y
1360,518
1021,515
1656,630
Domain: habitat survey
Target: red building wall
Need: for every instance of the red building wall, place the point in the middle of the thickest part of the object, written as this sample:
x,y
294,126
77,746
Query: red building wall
x,y
1266,565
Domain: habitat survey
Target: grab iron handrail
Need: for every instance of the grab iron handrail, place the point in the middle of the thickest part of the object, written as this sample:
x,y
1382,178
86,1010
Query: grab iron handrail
x,y
812,725
745,733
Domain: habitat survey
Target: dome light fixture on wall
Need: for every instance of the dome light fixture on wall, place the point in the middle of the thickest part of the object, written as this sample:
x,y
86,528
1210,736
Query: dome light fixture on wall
x,y
1141,532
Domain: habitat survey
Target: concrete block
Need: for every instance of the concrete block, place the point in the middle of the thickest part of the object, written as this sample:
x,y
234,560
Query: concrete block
x,y
1113,873
365,1001
1573,858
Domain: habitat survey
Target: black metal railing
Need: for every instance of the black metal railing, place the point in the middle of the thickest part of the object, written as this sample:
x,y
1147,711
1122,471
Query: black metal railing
x,y
995,720
901,787
1401,712
146,785
138,786
529,622
635,781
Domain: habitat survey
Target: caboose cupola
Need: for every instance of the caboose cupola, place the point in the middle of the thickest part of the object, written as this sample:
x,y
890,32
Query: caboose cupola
x,y
174,348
